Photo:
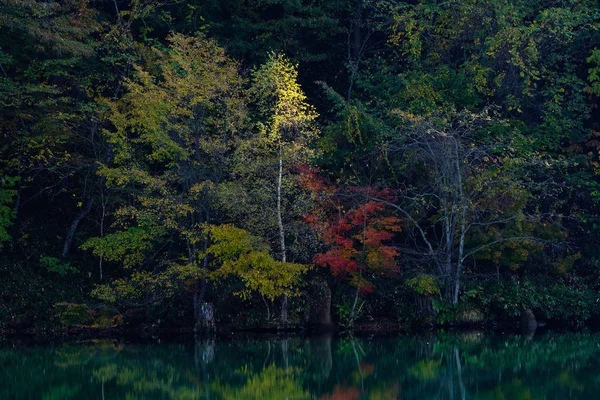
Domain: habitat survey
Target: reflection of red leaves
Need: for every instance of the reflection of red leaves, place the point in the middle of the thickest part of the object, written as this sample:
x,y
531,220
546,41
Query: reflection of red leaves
x,y
342,393
367,369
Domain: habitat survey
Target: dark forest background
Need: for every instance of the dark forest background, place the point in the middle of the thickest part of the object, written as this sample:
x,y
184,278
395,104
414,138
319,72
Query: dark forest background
x,y
433,160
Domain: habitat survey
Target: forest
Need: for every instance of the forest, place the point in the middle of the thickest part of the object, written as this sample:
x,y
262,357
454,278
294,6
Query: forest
x,y
267,164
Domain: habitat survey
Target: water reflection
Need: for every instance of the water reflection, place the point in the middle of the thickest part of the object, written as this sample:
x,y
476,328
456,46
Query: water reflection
x,y
439,366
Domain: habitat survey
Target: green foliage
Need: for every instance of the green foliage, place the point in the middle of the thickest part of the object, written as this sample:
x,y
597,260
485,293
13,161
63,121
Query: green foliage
x,y
594,72
73,314
424,285
348,314
282,102
7,212
136,110
128,247
549,300
444,312
106,316
54,264
144,288
466,313
170,133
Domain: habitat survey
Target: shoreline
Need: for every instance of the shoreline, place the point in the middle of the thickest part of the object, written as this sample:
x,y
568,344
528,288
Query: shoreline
x,y
92,333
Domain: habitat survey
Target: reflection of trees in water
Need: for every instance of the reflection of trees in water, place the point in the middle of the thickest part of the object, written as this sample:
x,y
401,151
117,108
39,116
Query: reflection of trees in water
x,y
442,366
475,366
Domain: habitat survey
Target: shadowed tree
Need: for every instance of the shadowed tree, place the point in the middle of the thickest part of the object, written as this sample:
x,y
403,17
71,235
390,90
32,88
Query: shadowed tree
x,y
171,134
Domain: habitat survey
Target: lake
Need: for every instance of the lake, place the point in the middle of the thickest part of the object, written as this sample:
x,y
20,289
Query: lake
x,y
440,365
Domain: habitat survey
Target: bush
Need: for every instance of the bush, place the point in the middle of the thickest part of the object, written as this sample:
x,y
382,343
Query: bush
x,y
424,285
73,314
550,300
106,316
54,264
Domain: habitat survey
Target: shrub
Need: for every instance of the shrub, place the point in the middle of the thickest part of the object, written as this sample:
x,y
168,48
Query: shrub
x,y
424,285
550,300
73,314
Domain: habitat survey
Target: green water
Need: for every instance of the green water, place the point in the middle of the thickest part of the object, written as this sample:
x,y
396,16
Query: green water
x,y
439,366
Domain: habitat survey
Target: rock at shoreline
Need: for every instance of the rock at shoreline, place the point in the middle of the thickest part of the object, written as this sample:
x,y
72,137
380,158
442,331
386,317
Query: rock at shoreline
x,y
528,319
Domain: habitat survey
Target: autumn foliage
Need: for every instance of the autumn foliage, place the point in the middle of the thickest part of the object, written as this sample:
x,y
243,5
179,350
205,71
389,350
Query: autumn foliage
x,y
356,229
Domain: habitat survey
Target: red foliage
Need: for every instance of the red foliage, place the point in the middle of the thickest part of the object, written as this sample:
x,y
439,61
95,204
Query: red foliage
x,y
355,226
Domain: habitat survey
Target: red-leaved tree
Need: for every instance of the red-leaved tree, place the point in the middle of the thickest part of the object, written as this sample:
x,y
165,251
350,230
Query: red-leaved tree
x,y
356,232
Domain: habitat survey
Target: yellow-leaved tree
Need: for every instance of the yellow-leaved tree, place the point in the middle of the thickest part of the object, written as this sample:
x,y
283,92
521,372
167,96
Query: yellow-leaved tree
x,y
170,135
287,122
236,252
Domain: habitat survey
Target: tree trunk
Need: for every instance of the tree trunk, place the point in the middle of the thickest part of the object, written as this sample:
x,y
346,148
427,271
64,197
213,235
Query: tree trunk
x,y
279,218
355,43
456,286
425,311
463,216
203,312
283,299
318,312
102,233
267,307
356,30
363,262
73,229
284,309
353,310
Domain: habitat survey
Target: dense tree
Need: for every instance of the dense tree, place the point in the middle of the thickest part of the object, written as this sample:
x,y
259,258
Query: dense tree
x,y
467,197
171,132
7,193
457,139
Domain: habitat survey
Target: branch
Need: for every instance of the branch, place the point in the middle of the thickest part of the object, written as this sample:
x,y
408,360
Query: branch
x,y
416,224
494,222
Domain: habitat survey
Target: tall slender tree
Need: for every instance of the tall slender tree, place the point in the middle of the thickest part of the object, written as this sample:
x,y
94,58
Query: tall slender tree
x,y
287,121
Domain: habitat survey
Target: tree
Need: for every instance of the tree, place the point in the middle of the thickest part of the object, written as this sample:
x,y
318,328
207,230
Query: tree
x,y
287,125
237,252
465,187
356,233
172,131
46,75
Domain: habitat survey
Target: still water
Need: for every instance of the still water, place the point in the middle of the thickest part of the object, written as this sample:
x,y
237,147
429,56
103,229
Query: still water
x,y
438,366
